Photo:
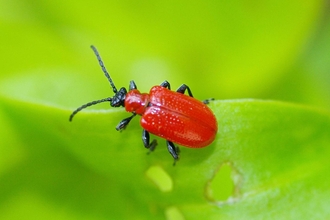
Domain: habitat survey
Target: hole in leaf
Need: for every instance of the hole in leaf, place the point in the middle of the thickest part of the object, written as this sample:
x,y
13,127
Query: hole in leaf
x,y
221,187
173,213
160,178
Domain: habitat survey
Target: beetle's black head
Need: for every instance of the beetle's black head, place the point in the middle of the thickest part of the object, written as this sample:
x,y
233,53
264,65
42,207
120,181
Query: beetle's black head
x,y
118,99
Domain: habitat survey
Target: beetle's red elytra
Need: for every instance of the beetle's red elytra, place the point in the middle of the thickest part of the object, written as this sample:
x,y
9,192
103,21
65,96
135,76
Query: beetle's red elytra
x,y
176,117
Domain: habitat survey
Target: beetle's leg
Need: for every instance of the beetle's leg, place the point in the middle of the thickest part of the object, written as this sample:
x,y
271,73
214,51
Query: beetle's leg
x,y
166,84
132,85
174,150
122,125
183,88
146,141
207,101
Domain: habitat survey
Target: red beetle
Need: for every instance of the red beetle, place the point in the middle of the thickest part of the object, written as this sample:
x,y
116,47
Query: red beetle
x,y
171,115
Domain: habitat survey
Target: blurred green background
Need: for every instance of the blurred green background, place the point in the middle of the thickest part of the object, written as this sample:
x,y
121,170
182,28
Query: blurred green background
x,y
223,49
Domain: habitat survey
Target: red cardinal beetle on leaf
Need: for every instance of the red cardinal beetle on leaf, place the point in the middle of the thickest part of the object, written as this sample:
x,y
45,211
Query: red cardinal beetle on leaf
x,y
176,117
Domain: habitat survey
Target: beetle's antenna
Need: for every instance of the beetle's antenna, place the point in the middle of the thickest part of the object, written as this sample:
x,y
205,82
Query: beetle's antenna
x,y
104,69
87,105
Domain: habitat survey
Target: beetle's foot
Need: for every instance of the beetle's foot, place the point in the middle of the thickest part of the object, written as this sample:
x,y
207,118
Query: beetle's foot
x,y
207,101
175,160
152,146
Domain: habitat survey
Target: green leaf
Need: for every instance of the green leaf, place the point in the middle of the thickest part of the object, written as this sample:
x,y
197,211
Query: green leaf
x,y
269,158
276,156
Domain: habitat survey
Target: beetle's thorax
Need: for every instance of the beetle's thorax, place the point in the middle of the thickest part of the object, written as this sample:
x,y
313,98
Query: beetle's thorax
x,y
136,102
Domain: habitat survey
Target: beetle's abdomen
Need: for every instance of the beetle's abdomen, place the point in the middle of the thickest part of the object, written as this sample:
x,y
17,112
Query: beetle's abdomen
x,y
179,118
